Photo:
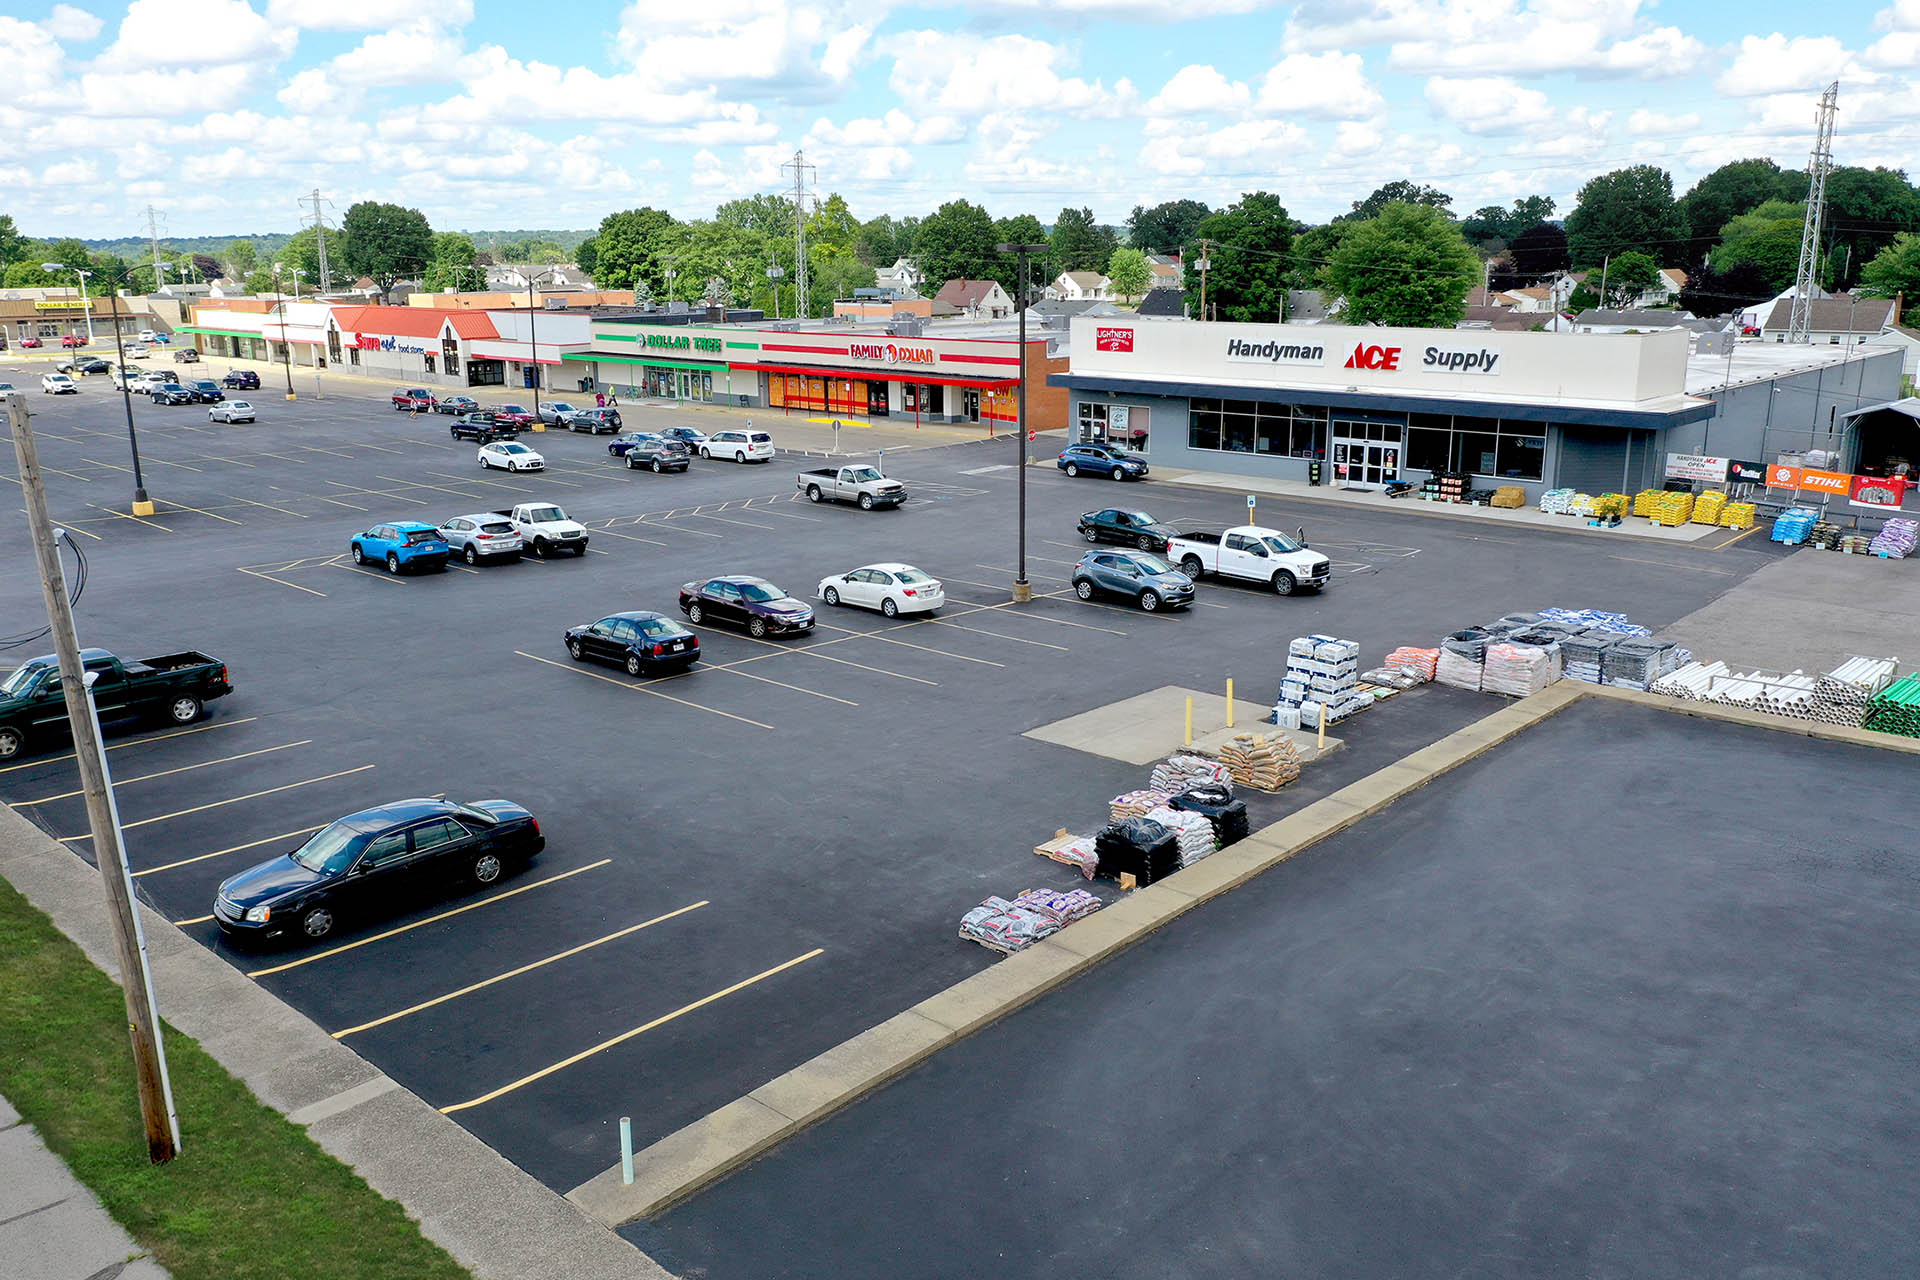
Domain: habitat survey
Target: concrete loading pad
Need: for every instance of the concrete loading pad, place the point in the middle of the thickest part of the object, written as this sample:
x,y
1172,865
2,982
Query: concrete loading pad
x,y
1152,726
1656,1022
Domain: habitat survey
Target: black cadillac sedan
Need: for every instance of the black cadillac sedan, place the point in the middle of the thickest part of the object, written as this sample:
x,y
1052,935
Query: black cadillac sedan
x,y
742,601
635,641
362,864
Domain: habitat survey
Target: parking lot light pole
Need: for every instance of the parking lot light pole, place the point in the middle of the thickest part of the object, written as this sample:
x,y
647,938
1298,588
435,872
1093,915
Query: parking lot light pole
x,y
1022,589
533,336
286,346
85,309
142,504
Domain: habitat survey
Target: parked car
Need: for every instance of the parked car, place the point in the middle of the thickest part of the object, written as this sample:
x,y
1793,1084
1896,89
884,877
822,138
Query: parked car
x,y
134,351
741,446
231,411
206,391
404,544
515,414
689,436
125,379
596,422
148,335
83,364
483,427
58,384
1128,528
859,484
1102,460
371,862
742,601
73,340
546,528
186,355
456,405
554,412
481,536
618,446
510,456
1146,579
657,455
1252,554
29,342
170,393
413,400
152,379
33,707
892,588
241,380
637,641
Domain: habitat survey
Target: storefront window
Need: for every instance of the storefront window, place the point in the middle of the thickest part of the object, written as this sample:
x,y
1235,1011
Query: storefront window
x,y
1427,448
1203,424
428,362
1520,457
1508,449
1237,427
1093,421
1474,451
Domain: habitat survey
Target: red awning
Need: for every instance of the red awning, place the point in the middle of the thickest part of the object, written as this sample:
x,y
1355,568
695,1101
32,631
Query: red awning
x,y
880,375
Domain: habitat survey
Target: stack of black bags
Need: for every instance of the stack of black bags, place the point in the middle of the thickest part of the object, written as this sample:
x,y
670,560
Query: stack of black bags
x,y
1215,801
1145,850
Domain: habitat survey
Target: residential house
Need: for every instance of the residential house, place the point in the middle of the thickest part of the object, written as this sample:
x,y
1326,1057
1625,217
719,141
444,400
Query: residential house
x,y
1666,287
1513,320
1311,306
1167,273
1907,338
561,275
1842,320
1080,286
903,277
1533,299
1631,320
1166,303
974,299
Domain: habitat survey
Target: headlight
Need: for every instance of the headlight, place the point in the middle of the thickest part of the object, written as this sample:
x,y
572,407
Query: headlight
x,y
259,915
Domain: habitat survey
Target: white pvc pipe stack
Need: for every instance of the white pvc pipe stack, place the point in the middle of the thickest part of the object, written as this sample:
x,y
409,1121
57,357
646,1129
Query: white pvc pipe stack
x,y
1690,683
1842,695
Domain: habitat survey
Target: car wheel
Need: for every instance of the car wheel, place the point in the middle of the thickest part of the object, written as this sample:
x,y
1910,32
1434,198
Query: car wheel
x,y
739,455
757,628
831,595
453,433
580,549
317,923
184,709
634,666
656,466
574,650
1072,470
1283,583
631,464
1116,474
12,741
1083,589
695,613
889,608
1192,567
813,493
1090,535
1149,601
359,556
486,868
706,453
484,464
470,555
393,562
1143,542
866,502
540,547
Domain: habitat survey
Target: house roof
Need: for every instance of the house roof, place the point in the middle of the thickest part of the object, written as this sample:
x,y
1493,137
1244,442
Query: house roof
x,y
1842,313
1676,278
1163,259
965,293
1533,291
1910,406
1085,279
1503,318
1634,318
414,322
1163,266
1163,302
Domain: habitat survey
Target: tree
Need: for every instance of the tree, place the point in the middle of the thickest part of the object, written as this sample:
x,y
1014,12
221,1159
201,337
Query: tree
x,y
69,252
1625,210
1715,293
302,254
628,248
29,274
956,242
1165,227
768,215
1024,228
1408,266
1397,192
385,242
1584,297
258,282
242,259
718,292
1249,242
588,255
1866,209
1128,273
1729,191
1539,251
833,226
1766,239
455,264
1627,277
111,273
1894,270
835,275
1493,227
1078,243
1313,251
13,245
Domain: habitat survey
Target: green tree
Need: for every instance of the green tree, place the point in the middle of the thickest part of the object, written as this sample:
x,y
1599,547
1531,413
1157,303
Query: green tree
x,y
69,252
1866,209
385,242
956,242
834,275
1583,297
242,259
833,226
1078,243
1894,270
111,272
1628,276
1249,243
1494,227
1766,238
1409,266
258,282
768,215
1128,273
1397,192
1738,187
628,248
1165,227
302,253
1625,210
587,254
1312,254
13,245
455,264
1539,251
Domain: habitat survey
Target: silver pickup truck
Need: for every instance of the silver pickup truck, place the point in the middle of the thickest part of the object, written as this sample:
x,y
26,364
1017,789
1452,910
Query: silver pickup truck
x,y
861,484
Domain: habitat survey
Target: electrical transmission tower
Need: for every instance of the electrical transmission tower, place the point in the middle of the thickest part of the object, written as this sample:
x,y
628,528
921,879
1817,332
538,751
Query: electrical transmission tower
x,y
800,169
153,235
320,239
1807,282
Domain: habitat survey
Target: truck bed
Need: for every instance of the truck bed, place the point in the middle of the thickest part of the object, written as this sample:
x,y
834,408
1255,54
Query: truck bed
x,y
170,662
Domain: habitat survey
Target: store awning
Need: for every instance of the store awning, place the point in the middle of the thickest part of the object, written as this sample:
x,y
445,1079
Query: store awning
x,y
1909,406
881,375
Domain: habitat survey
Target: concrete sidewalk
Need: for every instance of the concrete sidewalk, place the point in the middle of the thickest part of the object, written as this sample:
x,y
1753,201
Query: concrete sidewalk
x,y
51,1227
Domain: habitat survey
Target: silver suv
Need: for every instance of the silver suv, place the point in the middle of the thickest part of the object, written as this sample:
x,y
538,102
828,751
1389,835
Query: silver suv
x,y
481,536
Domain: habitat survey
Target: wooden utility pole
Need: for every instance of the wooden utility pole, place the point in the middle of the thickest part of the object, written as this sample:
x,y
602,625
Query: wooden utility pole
x,y
143,1025
1204,264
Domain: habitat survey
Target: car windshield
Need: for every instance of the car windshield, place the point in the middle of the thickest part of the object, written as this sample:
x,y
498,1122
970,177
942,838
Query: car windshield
x,y
419,536
1152,564
333,850
761,592
511,448
860,475
1280,542
1137,517
541,515
660,628
20,680
911,576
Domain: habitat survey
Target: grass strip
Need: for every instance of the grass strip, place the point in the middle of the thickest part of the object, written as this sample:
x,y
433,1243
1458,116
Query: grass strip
x,y
250,1197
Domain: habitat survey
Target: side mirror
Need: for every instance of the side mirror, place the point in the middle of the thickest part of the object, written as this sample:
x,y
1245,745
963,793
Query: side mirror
x,y
1300,535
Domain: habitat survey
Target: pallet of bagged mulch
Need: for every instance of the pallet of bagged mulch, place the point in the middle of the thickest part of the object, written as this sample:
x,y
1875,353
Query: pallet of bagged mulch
x,y
1070,850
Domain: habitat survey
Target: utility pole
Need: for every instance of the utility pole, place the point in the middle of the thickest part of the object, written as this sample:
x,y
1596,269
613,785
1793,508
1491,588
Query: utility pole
x,y
1204,264
1605,263
153,235
1022,589
320,241
1807,279
136,982
800,169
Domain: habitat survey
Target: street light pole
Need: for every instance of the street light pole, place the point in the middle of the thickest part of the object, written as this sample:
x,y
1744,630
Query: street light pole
x,y
533,337
1022,589
286,345
142,504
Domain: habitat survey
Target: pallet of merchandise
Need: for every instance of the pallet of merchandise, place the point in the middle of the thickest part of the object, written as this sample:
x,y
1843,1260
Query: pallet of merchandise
x,y
1737,515
1708,506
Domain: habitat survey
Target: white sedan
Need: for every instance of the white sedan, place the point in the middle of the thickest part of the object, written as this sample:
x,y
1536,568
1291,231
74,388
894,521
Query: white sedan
x,y
510,455
893,589
231,411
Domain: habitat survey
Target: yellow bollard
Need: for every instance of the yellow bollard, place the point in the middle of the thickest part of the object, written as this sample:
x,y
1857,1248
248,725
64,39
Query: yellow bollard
x,y
1229,702
1322,744
1189,721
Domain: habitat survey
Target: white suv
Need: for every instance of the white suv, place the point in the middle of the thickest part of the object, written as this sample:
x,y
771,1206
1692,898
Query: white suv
x,y
58,384
741,446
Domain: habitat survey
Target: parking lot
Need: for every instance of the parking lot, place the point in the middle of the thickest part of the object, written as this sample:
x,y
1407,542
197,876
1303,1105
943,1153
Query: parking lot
x,y
745,864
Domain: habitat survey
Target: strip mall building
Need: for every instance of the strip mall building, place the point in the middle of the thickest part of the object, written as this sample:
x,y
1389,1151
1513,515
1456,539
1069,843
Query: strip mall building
x,y
1592,412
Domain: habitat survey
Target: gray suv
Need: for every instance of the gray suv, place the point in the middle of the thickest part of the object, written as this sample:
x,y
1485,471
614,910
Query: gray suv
x,y
1141,576
657,454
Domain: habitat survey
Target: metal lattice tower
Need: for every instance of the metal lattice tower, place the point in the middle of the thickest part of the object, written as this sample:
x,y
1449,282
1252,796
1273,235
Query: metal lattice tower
x,y
1807,282
800,169
320,239
153,237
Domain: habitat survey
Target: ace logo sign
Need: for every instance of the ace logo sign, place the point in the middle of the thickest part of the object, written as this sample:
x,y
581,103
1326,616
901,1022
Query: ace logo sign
x,y
1372,357
1113,339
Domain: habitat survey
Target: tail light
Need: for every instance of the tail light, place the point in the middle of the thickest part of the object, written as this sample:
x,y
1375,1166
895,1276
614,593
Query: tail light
x,y
657,650
910,591
223,674
535,824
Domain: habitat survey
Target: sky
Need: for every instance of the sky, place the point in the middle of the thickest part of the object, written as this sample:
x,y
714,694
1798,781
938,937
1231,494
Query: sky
x,y
483,115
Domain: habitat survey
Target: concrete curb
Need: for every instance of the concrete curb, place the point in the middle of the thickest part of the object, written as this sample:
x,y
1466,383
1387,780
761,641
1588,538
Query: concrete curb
x,y
697,1155
495,1219
1760,720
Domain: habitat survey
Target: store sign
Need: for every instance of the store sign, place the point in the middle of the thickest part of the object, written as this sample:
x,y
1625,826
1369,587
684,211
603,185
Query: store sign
x,y
1275,352
372,342
892,353
70,304
681,342
1746,472
1448,360
1372,357
1800,479
1697,466
1113,339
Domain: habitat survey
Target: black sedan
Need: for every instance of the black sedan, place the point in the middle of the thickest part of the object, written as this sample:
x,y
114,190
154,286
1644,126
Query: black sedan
x,y
456,405
172,393
371,861
85,364
742,601
1128,528
241,380
636,641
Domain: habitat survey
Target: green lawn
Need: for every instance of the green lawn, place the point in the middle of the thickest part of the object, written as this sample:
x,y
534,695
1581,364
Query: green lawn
x,y
251,1196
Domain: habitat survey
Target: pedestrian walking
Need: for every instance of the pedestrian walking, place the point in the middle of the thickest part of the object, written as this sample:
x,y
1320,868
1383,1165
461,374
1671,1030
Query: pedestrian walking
x,y
613,400
599,399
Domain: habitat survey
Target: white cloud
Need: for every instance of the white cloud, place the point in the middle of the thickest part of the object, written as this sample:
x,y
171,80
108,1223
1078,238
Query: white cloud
x,y
1127,10
806,49
1776,64
1199,90
420,52
1354,138
178,91
195,34
1643,123
1499,37
1245,143
969,75
1900,49
1331,85
68,23
1489,104
1901,15
306,15
895,129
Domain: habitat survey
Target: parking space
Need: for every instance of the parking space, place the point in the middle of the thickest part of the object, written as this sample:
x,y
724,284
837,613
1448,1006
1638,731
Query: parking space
x,y
745,863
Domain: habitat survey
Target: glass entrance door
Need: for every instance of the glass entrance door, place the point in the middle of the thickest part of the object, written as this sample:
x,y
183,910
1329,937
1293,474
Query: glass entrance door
x,y
1366,455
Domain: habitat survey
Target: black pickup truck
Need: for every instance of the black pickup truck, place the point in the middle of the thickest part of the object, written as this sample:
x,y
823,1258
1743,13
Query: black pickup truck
x,y
33,708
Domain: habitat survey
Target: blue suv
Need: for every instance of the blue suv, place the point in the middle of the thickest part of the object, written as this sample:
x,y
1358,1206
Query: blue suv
x,y
404,544
1102,460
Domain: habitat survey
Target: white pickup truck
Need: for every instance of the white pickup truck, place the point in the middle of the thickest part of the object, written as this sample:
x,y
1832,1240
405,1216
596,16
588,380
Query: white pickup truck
x,y
544,528
861,484
1252,554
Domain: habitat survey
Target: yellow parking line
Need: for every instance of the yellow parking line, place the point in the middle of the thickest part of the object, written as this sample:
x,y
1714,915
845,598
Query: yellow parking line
x,y
625,1036
252,573
254,795
125,516
165,773
217,853
640,689
180,924
1735,538
514,973
201,511
418,924
134,742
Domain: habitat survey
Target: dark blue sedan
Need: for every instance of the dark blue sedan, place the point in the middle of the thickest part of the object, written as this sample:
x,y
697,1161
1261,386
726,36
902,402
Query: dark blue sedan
x,y
1102,460
369,862
1147,580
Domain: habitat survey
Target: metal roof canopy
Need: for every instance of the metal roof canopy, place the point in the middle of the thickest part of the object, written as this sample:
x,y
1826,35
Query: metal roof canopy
x,y
1910,406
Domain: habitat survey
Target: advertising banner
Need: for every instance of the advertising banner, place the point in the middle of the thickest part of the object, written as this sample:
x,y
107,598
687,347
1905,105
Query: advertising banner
x,y
1746,472
1697,466
1801,479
